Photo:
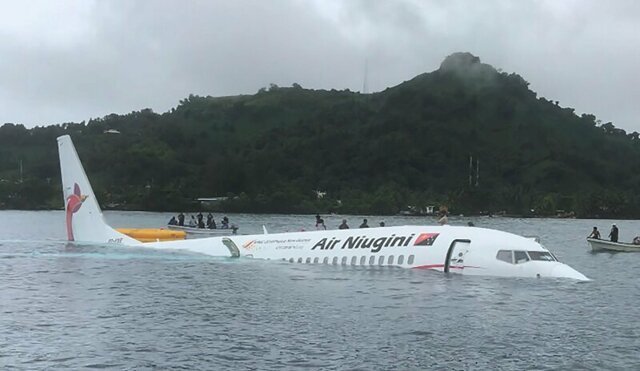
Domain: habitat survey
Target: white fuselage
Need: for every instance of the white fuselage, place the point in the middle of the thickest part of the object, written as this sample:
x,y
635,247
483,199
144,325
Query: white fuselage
x,y
463,250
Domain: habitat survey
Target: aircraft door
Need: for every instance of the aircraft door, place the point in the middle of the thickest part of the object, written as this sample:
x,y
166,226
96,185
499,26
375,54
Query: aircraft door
x,y
233,248
455,256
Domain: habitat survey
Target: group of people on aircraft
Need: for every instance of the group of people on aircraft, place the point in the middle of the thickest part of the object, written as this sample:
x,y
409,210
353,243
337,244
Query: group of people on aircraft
x,y
320,223
199,222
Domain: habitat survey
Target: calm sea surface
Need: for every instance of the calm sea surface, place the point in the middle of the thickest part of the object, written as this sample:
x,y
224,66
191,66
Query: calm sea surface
x,y
65,306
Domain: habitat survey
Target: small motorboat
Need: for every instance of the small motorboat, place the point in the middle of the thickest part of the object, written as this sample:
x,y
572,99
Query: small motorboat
x,y
204,231
604,245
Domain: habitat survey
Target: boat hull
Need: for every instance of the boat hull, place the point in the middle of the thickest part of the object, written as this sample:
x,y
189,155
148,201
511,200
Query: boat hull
x,y
604,245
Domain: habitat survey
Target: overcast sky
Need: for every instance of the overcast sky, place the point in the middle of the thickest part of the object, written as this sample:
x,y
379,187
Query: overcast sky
x,y
69,60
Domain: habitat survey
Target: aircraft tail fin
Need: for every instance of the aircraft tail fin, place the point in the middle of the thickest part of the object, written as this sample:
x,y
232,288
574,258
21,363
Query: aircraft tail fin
x,y
84,220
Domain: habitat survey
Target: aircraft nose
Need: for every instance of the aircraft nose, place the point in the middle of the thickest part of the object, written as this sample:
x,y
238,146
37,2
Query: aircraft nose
x,y
565,271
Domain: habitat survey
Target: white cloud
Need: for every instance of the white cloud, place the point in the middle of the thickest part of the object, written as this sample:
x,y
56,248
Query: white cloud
x,y
69,60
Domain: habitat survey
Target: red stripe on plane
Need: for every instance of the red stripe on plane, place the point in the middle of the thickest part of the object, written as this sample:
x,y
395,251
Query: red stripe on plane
x,y
434,266
431,266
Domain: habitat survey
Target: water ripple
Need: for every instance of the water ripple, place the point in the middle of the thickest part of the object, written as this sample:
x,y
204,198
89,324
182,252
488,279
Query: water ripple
x,y
65,306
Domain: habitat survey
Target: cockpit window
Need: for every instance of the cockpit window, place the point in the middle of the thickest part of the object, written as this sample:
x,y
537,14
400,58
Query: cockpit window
x,y
520,256
541,255
505,256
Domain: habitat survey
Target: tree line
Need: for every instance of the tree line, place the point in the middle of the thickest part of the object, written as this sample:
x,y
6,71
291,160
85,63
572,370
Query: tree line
x,y
465,136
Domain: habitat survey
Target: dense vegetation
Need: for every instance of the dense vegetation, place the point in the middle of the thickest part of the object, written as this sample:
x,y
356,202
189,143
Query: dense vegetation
x,y
371,153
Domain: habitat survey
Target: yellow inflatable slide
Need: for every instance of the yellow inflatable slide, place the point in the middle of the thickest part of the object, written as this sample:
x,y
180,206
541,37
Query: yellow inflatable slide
x,y
153,234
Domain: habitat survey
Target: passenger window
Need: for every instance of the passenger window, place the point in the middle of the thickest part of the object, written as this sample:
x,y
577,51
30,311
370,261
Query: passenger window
x,y
410,260
299,260
381,260
344,260
354,260
363,260
505,256
315,260
335,260
325,260
520,256
372,260
400,259
390,260
291,260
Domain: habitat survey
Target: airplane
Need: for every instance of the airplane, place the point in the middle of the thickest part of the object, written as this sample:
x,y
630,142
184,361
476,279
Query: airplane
x,y
450,249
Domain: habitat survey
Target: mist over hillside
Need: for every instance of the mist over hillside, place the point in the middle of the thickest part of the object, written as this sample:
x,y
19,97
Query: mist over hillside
x,y
465,136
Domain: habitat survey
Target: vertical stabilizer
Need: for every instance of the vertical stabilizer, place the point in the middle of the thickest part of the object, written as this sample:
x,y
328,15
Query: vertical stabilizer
x,y
83,217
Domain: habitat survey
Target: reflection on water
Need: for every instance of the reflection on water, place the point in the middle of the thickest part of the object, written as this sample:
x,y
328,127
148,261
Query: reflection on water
x,y
72,306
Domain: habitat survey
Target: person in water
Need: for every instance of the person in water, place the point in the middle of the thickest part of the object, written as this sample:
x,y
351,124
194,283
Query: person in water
x,y
364,224
181,219
614,233
343,225
595,233
173,221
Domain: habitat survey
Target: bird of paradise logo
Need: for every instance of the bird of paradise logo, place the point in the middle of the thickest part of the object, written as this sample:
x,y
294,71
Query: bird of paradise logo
x,y
74,202
426,239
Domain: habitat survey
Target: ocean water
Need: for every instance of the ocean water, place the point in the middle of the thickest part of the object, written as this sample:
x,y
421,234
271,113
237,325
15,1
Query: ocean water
x,y
66,306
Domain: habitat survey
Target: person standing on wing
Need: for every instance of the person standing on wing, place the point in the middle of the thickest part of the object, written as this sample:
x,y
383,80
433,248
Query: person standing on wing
x,y
443,219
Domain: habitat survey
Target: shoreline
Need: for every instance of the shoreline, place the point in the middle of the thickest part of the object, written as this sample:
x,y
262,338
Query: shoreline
x,y
451,215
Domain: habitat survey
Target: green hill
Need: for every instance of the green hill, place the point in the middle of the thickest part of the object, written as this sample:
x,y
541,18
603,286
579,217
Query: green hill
x,y
371,153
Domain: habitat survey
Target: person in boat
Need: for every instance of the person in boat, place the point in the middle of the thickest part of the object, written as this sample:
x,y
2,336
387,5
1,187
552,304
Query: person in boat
x,y
382,223
209,220
181,219
173,221
213,224
320,224
192,222
636,240
343,225
200,218
225,223
595,233
200,223
364,224
614,233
